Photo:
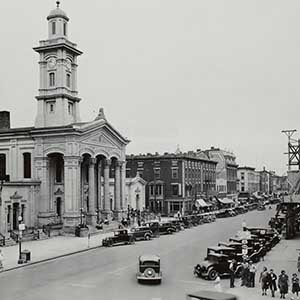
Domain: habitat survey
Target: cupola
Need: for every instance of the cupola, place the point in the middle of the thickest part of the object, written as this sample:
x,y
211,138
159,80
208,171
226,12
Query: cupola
x,y
58,21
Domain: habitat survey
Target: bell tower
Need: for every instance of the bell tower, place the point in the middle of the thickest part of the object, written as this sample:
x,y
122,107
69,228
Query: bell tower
x,y
58,102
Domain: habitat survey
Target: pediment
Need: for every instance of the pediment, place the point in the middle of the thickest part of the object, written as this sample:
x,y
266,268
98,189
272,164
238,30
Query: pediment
x,y
102,138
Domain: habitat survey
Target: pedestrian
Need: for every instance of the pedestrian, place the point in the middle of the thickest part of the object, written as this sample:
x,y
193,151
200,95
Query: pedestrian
x,y
252,272
283,284
217,283
295,285
272,282
245,273
264,280
1,261
232,268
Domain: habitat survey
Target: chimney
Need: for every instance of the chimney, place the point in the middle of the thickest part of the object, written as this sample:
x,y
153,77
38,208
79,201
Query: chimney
x,y
4,120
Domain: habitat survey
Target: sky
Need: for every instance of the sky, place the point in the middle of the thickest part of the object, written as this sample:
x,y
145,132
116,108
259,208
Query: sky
x,y
193,73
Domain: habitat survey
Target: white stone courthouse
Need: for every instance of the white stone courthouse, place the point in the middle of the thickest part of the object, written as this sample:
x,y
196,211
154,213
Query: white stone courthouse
x,y
60,169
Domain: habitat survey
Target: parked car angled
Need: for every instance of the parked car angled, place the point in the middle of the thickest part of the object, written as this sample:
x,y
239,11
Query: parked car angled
x,y
216,262
141,233
122,236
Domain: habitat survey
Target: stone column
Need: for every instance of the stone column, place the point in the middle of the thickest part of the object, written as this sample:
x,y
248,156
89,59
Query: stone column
x,y
117,189
72,176
42,169
92,198
123,203
99,185
106,208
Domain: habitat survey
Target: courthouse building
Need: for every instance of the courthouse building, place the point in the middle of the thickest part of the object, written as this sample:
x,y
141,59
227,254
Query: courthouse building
x,y
61,167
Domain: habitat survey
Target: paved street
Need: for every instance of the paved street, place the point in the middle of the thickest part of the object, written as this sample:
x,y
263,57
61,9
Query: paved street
x,y
109,273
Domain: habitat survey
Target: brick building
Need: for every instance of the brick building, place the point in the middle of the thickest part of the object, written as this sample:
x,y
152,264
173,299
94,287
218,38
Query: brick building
x,y
174,181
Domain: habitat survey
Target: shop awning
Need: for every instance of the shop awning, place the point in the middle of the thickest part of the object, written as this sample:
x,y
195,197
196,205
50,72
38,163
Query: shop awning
x,y
201,203
226,201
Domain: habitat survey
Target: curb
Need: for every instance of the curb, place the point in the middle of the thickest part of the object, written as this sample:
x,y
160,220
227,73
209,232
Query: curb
x,y
50,258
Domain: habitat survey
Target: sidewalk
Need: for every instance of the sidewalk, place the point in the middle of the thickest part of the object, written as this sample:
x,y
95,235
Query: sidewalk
x,y
42,250
283,256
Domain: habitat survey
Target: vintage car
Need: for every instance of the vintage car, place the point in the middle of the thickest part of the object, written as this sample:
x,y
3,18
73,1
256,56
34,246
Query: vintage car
x,y
186,221
158,228
217,261
141,233
269,235
210,295
261,207
149,268
176,223
224,213
122,236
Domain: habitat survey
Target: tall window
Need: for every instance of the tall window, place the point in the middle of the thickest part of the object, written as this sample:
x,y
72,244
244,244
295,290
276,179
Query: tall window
x,y
53,28
27,165
157,173
58,175
68,80
174,173
2,165
70,108
65,28
175,190
52,79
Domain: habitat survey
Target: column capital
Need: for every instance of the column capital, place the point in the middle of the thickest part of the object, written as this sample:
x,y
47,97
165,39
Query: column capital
x,y
118,164
107,162
92,161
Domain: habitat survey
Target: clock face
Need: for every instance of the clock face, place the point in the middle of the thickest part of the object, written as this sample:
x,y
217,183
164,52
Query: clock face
x,y
51,62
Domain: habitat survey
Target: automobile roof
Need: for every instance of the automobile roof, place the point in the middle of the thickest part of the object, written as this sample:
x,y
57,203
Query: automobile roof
x,y
228,244
210,295
217,255
219,248
149,257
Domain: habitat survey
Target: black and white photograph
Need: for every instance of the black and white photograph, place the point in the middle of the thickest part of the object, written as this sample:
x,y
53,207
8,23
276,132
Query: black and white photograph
x,y
149,149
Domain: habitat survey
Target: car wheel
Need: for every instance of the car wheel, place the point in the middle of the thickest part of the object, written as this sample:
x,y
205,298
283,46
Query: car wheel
x,y
169,231
147,237
212,274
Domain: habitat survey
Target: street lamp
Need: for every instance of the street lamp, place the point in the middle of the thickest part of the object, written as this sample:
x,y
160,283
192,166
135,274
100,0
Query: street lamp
x,y
21,228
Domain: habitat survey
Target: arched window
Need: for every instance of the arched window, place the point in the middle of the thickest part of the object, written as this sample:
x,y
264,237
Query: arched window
x,y
68,80
27,165
53,28
52,79
2,165
65,28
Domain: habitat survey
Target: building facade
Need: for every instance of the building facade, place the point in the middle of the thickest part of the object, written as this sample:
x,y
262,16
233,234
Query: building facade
x,y
174,181
266,181
226,172
248,180
135,193
61,167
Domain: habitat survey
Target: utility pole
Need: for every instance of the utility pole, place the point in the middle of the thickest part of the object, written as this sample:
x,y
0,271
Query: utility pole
x,y
289,133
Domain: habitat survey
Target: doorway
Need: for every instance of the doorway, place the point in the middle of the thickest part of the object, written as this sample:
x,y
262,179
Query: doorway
x,y
16,210
58,207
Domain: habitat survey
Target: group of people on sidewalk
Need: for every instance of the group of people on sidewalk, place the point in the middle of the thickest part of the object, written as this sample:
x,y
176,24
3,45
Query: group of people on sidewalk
x,y
269,280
